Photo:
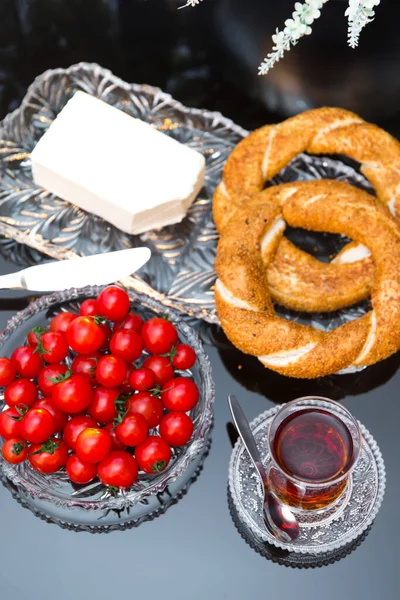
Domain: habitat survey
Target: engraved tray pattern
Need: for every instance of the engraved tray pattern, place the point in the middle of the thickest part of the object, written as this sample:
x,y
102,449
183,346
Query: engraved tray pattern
x,y
180,273
352,518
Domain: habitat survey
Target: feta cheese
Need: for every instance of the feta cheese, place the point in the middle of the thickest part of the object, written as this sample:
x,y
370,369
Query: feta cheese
x,y
117,167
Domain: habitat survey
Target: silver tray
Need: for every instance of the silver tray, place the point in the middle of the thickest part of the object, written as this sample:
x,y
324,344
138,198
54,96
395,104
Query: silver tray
x,y
180,273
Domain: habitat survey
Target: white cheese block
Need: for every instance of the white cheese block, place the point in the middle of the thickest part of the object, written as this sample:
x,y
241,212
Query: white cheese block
x,y
117,167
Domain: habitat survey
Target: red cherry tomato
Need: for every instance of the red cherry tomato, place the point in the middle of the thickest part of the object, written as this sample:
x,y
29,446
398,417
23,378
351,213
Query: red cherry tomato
x,y
46,375
62,321
161,367
184,358
153,455
150,407
72,395
115,442
131,322
125,385
119,469
15,450
27,361
9,426
159,335
176,428
102,407
74,427
34,336
85,364
53,346
48,457
84,335
60,418
142,379
133,430
8,371
180,394
21,392
37,425
113,303
127,345
79,471
89,308
111,371
93,445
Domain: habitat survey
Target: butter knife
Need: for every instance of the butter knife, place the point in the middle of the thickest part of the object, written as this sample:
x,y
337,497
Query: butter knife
x,y
97,269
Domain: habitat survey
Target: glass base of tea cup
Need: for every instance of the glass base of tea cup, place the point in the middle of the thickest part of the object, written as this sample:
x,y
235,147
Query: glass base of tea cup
x,y
304,500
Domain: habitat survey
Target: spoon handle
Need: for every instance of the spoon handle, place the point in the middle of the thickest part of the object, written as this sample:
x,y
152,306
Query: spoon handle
x,y
243,427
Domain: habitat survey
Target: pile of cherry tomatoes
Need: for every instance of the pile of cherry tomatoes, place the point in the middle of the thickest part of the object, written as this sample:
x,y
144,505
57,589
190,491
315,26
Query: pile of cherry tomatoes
x,y
97,393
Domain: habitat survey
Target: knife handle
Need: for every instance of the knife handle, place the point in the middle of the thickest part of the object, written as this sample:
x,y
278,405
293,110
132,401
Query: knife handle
x,y
11,281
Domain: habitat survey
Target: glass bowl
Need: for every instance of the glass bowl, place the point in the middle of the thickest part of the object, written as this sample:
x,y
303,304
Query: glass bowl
x,y
54,496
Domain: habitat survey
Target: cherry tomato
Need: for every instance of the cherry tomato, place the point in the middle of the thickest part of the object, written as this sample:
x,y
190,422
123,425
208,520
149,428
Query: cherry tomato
x,y
113,303
21,392
142,379
72,395
15,450
150,407
79,471
119,469
93,445
85,364
133,430
107,335
176,428
48,457
180,394
34,336
102,407
53,346
184,358
131,322
161,367
159,335
37,425
8,371
62,321
153,455
9,426
46,375
74,427
125,385
116,444
111,371
27,361
84,335
60,418
127,345
89,308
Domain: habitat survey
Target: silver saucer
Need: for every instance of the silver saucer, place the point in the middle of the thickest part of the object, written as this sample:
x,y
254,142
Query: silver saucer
x,y
319,533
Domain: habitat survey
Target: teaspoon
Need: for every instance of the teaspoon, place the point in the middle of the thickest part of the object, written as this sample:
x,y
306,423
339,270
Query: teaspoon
x,y
278,518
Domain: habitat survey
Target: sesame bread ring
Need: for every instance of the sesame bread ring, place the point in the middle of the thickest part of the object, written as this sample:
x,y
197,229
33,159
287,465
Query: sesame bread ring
x,y
247,247
294,275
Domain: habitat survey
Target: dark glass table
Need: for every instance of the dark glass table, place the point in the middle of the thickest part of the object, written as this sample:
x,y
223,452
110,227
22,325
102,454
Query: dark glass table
x,y
194,550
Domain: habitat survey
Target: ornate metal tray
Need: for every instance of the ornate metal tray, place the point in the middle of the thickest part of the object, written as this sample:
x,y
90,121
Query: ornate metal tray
x,y
180,273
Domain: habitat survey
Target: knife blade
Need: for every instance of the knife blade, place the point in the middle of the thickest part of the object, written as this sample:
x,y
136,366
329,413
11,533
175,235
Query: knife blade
x,y
98,269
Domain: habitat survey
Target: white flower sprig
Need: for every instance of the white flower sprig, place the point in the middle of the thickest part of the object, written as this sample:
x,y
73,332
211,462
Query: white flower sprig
x,y
359,14
191,3
295,28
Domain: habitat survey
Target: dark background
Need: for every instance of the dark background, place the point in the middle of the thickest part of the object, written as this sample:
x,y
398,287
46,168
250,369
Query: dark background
x,y
208,57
